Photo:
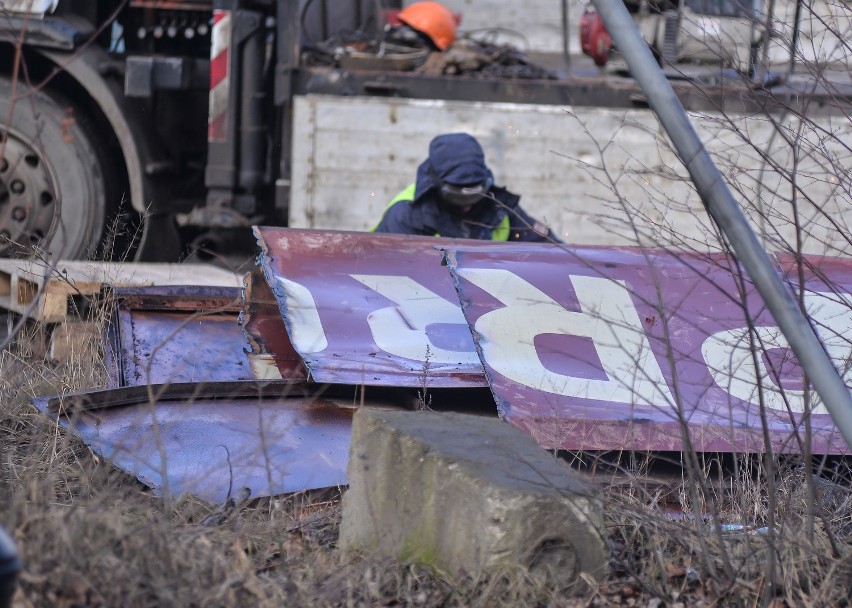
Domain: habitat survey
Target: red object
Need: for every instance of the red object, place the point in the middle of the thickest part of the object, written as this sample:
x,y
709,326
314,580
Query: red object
x,y
594,37
220,77
432,19
391,16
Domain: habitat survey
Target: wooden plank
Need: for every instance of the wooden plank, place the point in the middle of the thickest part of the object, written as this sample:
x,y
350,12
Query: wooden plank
x,y
43,291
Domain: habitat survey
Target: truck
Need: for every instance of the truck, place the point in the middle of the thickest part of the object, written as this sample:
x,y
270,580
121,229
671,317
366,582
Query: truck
x,y
150,124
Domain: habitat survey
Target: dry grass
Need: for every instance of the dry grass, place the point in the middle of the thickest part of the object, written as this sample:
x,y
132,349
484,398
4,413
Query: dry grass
x,y
92,536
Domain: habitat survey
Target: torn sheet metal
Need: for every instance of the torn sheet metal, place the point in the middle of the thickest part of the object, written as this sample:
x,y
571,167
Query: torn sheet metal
x,y
211,440
161,335
271,354
604,349
373,309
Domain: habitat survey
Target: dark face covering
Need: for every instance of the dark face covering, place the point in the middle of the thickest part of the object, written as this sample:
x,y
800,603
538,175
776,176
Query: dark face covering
x,y
456,172
462,198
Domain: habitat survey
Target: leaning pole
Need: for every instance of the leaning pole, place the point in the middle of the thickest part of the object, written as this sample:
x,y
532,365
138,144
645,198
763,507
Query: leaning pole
x,y
726,212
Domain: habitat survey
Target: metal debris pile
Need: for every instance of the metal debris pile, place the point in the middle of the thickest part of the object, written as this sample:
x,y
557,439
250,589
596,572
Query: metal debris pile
x,y
214,389
478,58
468,56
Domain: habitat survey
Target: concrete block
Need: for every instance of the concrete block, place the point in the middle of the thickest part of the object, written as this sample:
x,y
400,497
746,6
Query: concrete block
x,y
465,494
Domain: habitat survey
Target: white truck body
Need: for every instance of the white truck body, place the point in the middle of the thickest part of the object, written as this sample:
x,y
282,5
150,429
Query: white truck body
x,y
352,155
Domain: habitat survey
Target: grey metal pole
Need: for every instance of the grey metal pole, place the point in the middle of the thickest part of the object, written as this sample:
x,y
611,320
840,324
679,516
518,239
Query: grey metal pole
x,y
727,214
794,39
566,37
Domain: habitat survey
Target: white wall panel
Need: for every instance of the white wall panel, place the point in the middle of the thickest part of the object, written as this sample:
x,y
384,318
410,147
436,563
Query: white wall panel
x,y
352,155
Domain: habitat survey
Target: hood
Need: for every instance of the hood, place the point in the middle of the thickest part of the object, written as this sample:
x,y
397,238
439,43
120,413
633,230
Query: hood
x,y
455,158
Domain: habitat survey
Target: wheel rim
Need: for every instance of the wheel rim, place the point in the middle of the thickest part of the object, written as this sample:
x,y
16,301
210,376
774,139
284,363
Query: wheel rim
x,y
28,201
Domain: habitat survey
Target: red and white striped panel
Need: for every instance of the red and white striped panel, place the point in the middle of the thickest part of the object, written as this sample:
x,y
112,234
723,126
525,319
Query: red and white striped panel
x,y
220,77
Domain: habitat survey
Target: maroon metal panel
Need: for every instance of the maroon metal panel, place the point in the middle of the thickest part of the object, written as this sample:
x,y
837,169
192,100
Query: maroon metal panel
x,y
271,353
209,446
371,309
160,335
604,349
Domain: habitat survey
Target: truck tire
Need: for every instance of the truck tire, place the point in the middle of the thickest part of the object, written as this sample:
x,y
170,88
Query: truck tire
x,y
53,189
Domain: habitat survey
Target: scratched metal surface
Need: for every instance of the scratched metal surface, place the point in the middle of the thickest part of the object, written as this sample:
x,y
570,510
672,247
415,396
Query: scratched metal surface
x,y
208,447
604,349
160,335
335,291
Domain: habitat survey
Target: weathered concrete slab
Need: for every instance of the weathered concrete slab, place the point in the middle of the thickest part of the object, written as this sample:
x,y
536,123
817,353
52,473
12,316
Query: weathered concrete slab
x,y
464,494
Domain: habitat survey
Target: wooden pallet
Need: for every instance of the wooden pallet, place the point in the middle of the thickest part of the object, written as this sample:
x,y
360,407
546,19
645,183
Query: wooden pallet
x,y
49,292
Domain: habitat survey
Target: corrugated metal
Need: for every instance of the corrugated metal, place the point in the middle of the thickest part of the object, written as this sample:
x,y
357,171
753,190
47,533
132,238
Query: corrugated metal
x,y
371,309
160,335
603,349
211,440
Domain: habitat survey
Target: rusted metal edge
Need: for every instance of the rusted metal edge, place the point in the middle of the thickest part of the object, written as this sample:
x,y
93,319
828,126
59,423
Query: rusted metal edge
x,y
136,395
137,315
201,299
478,400
271,353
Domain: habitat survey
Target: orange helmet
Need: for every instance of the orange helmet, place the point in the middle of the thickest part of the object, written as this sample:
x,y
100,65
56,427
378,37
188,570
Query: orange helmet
x,y
433,20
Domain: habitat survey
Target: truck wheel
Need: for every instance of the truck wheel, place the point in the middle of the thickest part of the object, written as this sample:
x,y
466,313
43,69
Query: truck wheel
x,y
52,185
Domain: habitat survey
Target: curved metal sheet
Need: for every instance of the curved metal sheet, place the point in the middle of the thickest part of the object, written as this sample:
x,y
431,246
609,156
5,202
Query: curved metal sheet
x,y
605,349
214,446
374,309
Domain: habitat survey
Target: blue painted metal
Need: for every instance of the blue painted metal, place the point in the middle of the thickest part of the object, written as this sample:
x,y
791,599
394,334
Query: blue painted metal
x,y
269,438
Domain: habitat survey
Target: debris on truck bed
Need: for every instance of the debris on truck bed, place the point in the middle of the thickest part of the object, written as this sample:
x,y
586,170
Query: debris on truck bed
x,y
585,349
477,58
467,56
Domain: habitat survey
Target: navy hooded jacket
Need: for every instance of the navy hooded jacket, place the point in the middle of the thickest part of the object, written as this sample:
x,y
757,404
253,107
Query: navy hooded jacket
x,y
457,158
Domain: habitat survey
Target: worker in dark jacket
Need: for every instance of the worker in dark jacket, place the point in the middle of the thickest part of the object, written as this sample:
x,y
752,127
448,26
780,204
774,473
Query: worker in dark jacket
x,y
455,196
